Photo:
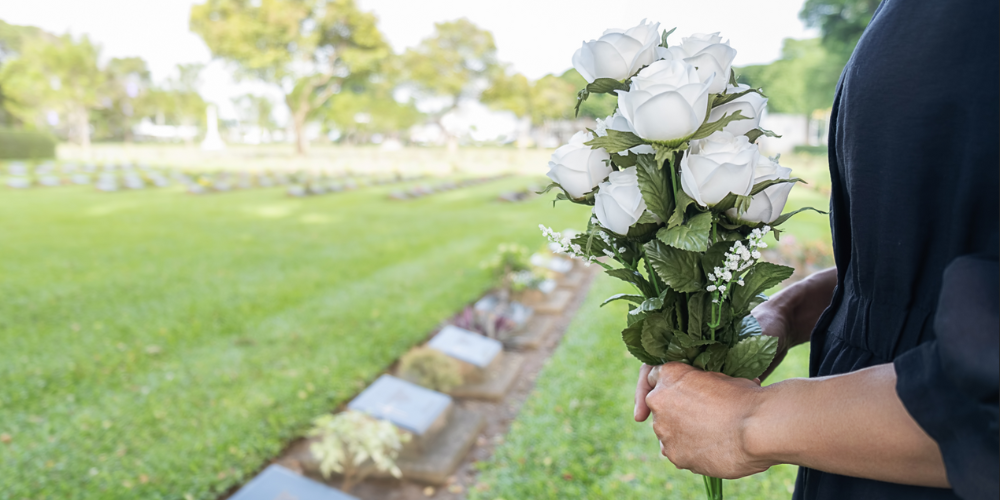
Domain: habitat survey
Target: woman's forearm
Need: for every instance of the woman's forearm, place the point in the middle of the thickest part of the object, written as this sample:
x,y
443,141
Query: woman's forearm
x,y
852,424
802,303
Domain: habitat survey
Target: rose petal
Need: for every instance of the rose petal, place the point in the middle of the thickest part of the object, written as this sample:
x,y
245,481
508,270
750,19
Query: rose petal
x,y
665,117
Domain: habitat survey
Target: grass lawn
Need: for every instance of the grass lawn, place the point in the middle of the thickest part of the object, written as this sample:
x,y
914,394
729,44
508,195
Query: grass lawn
x,y
159,345
575,437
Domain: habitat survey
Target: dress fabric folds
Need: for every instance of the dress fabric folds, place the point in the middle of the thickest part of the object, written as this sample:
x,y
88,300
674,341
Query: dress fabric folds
x,y
914,210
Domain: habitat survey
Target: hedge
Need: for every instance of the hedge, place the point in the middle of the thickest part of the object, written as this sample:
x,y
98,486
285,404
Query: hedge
x,y
26,144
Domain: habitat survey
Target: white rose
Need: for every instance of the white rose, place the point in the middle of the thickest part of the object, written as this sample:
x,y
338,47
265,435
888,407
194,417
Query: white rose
x,y
618,122
707,53
766,206
578,168
618,54
750,105
666,102
619,202
718,165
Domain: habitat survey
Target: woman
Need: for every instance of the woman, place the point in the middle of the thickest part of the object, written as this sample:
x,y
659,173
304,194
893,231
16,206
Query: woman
x,y
902,400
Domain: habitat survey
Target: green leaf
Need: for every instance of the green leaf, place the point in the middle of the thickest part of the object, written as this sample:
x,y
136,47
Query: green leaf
x,y
757,300
756,133
696,313
655,187
679,269
762,276
656,335
663,37
641,233
637,299
649,305
708,129
632,336
732,77
688,341
633,277
733,200
683,201
750,357
762,185
616,141
715,256
647,217
749,327
691,236
786,216
605,86
623,162
712,358
721,99
587,199
631,319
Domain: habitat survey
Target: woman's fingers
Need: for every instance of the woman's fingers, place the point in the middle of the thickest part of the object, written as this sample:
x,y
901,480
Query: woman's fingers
x,y
642,388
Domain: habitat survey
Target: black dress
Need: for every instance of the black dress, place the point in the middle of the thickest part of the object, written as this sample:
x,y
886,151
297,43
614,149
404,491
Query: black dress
x,y
914,210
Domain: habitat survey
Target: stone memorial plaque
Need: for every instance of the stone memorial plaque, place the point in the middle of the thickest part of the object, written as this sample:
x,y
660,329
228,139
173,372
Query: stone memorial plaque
x,y
467,346
80,179
279,483
19,182
405,404
17,168
49,180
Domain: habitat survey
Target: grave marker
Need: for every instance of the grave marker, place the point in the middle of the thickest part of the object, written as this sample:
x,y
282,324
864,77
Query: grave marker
x,y
408,406
279,483
463,345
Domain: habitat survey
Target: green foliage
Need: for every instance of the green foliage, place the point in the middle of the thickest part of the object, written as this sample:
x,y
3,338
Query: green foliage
x,y
762,276
452,61
189,339
679,269
575,438
841,21
655,187
616,141
26,144
310,47
750,357
547,99
802,80
59,74
431,368
692,236
348,442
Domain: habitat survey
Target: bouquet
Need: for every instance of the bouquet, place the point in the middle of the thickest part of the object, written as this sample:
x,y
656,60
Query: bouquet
x,y
681,197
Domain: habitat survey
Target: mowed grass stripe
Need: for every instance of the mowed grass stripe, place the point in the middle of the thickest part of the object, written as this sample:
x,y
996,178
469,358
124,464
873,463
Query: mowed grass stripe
x,y
211,329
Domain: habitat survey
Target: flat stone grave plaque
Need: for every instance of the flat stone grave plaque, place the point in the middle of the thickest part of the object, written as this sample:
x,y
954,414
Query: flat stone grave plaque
x,y
405,404
279,483
467,346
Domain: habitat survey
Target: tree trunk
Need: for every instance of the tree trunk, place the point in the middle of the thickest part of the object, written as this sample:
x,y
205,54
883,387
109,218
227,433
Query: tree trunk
x,y
301,142
81,126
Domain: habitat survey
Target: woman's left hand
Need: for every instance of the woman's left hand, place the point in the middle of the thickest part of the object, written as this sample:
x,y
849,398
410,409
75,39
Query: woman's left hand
x,y
700,418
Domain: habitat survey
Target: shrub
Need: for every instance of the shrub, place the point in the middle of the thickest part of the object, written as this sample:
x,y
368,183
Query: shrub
x,y
431,368
810,150
26,144
348,441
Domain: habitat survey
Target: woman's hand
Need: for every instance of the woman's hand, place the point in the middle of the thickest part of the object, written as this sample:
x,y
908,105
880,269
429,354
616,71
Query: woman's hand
x,y
700,419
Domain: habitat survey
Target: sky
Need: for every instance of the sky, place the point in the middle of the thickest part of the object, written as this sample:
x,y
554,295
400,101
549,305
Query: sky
x,y
535,36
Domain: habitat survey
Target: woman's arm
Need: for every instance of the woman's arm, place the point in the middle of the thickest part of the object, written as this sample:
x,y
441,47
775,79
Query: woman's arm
x,y
852,424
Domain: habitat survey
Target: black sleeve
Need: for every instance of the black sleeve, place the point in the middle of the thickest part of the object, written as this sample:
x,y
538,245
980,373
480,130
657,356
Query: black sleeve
x,y
950,385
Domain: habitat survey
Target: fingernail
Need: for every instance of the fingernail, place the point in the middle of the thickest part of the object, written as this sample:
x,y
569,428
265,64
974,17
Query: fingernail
x,y
635,411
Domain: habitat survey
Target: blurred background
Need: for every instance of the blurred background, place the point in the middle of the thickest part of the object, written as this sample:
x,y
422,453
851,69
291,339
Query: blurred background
x,y
221,218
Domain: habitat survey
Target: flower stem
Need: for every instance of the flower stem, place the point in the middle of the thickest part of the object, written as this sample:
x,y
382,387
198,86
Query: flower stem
x,y
713,488
673,174
652,277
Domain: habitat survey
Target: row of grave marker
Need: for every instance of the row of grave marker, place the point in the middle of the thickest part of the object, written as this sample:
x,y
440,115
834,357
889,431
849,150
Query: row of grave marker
x,y
423,190
429,415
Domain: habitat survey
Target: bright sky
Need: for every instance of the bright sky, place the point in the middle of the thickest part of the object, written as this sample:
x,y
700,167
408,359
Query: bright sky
x,y
536,36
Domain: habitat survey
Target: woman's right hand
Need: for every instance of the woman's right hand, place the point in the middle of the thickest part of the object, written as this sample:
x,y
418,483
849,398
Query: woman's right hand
x,y
791,314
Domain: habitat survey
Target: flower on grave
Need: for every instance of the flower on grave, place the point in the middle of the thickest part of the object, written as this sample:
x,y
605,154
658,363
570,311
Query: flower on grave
x,y
667,102
578,168
708,53
618,53
618,122
750,105
619,202
766,206
718,165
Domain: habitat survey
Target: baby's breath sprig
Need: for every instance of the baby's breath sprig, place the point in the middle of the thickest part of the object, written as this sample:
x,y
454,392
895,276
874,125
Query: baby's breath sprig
x,y
564,244
736,262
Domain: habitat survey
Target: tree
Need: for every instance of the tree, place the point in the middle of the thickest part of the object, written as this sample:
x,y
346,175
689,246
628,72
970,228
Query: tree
x,y
458,61
802,81
59,76
256,110
545,100
307,47
127,84
12,38
841,21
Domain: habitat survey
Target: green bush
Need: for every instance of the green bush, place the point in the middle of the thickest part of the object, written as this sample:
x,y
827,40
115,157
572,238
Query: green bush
x,y
810,150
26,144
